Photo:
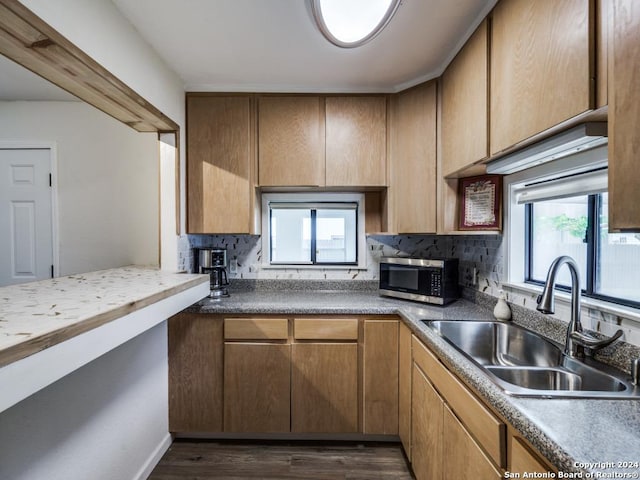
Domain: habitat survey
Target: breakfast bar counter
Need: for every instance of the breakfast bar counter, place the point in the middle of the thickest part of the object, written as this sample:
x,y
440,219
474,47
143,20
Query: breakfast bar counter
x,y
52,327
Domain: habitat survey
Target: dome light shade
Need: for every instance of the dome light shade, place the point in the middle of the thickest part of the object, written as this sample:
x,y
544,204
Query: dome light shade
x,y
351,23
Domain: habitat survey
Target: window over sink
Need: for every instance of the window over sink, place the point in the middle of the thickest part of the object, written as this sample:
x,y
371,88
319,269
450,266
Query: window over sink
x,y
561,209
319,230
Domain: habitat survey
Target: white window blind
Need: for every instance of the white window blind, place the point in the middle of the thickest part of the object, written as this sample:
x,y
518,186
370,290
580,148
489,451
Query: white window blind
x,y
583,184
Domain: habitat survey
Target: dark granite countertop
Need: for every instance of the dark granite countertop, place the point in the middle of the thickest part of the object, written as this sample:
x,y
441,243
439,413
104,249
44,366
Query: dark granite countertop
x,y
575,435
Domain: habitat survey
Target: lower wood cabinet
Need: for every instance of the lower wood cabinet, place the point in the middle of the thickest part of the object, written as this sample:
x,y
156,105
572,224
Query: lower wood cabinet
x,y
426,428
257,383
324,388
453,435
461,455
405,364
195,373
270,375
380,377
523,459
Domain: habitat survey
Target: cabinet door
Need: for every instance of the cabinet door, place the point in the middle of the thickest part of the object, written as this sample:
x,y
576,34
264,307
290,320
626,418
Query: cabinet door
x,y
291,141
624,111
465,90
356,141
541,67
380,372
462,457
427,411
195,373
324,388
413,160
219,184
257,387
521,459
404,388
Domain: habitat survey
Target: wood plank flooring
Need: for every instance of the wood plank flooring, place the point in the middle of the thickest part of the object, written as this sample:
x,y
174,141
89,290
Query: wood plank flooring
x,y
203,460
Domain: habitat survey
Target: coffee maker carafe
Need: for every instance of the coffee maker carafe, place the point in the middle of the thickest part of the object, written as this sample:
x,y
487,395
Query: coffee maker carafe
x,y
214,262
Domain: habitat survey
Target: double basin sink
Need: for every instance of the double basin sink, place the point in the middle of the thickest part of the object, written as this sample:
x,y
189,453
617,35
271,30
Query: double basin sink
x,y
523,363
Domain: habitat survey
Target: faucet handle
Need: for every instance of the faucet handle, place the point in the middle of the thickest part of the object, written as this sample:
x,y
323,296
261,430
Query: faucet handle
x,y
635,371
592,342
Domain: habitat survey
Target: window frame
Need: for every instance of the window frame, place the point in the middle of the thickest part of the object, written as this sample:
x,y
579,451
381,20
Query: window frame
x,y
592,237
315,201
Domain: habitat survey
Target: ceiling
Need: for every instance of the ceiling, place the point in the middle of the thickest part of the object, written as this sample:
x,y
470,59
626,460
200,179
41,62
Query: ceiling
x,y
274,45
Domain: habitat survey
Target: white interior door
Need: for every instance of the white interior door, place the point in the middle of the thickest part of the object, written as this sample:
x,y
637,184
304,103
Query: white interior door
x,y
26,233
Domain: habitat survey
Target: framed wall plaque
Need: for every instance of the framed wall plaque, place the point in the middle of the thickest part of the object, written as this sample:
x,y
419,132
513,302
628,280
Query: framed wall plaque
x,y
480,202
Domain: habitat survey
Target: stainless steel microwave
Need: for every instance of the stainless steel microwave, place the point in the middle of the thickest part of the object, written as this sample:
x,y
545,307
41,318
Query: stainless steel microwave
x,y
419,279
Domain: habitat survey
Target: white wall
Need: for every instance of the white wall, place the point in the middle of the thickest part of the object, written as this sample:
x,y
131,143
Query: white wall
x,y
107,182
104,421
99,29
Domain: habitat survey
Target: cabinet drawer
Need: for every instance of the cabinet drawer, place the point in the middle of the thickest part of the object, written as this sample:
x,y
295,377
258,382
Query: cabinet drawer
x,y
488,430
325,329
256,329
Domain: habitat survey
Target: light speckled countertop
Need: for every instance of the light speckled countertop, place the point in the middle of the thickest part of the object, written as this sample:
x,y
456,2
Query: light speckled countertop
x,y
575,435
37,315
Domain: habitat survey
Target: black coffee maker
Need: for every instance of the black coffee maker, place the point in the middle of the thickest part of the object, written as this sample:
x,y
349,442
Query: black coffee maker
x,y
214,262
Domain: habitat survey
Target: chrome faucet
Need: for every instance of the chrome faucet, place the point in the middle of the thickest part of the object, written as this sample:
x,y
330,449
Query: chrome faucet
x,y
576,340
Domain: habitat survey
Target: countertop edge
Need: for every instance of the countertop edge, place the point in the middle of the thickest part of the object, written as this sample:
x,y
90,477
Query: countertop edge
x,y
38,343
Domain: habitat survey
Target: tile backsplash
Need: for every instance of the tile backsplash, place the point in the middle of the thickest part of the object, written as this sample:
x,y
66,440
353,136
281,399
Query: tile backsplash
x,y
485,253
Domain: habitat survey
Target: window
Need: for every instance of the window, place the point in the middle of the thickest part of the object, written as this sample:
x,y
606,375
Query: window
x,y
577,225
319,230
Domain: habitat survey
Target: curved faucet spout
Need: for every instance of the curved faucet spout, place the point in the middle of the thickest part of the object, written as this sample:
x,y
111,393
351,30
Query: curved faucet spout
x,y
546,301
576,340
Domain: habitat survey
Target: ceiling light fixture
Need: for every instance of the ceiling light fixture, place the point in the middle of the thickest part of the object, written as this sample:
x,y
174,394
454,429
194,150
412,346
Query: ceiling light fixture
x,y
351,23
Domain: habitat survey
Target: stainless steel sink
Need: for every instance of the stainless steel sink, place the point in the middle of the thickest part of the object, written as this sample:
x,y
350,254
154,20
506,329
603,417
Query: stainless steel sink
x,y
523,363
495,343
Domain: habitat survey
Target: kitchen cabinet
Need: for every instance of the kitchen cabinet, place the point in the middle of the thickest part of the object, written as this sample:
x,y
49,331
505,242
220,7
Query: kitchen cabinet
x,y
256,375
427,425
541,67
356,141
195,373
624,111
465,109
220,153
291,141
454,434
412,186
523,459
405,364
324,376
462,457
449,424
380,377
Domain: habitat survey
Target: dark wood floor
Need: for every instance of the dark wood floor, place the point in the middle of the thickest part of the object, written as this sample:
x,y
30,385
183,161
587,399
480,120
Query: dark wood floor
x,y
203,460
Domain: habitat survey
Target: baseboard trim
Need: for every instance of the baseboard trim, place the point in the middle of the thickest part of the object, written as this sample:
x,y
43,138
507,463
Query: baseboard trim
x,y
154,458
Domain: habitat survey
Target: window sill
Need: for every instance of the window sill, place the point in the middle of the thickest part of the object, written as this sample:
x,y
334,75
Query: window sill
x,y
312,267
565,299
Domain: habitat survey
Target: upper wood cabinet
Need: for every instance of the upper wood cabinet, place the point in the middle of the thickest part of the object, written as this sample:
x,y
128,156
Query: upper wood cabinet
x,y
356,141
541,67
219,164
413,160
465,105
624,111
291,141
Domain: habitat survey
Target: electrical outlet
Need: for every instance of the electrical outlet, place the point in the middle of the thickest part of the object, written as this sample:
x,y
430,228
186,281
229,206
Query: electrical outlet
x,y
233,266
